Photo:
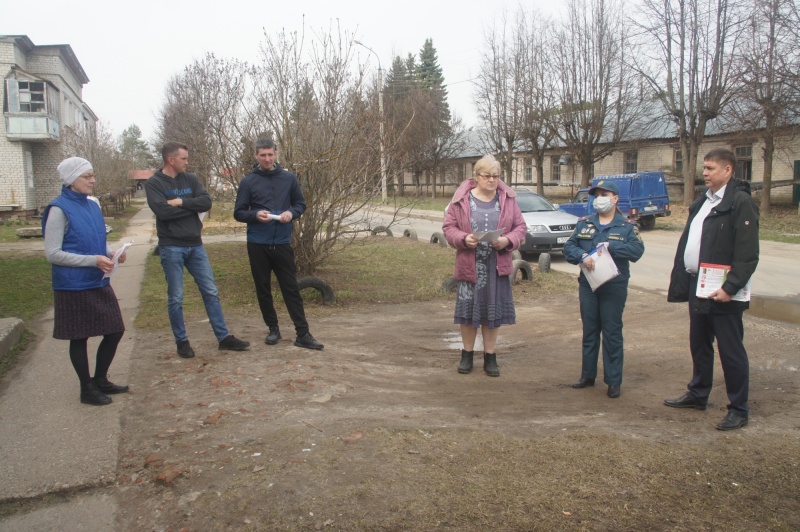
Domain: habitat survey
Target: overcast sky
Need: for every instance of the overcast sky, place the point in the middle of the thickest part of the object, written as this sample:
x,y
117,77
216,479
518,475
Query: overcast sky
x,y
129,50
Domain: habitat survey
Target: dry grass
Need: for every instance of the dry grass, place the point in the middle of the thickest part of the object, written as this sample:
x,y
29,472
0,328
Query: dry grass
x,y
378,269
471,480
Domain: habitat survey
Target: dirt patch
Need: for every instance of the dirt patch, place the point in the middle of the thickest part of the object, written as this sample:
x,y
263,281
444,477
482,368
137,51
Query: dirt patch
x,y
379,431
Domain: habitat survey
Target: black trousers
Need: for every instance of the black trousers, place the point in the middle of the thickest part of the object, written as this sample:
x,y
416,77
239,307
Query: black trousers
x,y
729,333
265,259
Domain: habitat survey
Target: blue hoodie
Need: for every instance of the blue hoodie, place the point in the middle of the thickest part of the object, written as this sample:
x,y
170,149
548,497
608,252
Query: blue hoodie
x,y
275,191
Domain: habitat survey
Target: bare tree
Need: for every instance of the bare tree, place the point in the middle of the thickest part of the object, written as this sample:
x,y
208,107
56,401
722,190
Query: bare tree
x,y
205,109
769,60
99,147
538,95
690,46
598,98
313,101
499,93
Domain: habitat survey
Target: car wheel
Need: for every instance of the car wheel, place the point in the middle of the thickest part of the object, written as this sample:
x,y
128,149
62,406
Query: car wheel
x,y
544,262
324,289
522,271
647,222
382,229
438,238
410,233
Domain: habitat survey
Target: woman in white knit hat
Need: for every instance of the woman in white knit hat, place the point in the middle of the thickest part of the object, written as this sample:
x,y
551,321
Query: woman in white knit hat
x,y
85,303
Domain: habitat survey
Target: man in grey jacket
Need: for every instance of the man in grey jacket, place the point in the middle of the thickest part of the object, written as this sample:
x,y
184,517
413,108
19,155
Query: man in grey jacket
x,y
178,198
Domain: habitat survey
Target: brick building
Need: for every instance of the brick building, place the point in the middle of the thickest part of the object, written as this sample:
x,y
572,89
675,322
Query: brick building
x,y
42,98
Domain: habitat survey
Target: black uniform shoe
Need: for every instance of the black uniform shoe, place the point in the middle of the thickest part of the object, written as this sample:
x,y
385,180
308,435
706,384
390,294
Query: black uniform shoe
x,y
613,392
583,383
231,343
273,337
687,401
108,387
490,365
308,342
732,421
466,361
91,395
185,350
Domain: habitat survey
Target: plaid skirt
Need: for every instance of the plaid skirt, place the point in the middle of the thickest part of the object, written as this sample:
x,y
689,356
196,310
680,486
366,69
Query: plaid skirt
x,y
85,313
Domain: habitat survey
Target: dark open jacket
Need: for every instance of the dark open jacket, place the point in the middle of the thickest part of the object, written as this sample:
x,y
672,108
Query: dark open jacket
x,y
730,237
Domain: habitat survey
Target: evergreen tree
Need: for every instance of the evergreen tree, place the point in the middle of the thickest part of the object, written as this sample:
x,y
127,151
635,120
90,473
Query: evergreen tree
x,y
133,149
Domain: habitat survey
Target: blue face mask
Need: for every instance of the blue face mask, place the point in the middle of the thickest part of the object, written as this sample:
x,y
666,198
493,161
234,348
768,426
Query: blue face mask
x,y
603,204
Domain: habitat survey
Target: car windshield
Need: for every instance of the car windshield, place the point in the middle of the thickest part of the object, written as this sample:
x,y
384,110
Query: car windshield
x,y
533,203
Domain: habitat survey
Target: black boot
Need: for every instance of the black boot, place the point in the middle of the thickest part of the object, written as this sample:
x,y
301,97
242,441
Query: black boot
x,y
490,365
466,361
91,394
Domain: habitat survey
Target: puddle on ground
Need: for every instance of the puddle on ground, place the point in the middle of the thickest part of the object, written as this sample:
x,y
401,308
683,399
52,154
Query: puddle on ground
x,y
776,308
453,341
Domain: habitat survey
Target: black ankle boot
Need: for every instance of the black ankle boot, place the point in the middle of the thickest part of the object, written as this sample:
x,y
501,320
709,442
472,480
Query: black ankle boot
x,y
466,361
91,395
490,365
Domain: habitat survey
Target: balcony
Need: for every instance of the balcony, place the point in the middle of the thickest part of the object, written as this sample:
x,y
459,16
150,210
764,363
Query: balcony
x,y
32,127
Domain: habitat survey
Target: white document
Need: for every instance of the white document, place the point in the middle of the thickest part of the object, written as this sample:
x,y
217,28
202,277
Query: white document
x,y
117,255
605,268
489,236
202,215
711,277
274,216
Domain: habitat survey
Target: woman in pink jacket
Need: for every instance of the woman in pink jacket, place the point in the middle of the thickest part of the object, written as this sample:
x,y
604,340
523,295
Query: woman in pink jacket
x,y
483,269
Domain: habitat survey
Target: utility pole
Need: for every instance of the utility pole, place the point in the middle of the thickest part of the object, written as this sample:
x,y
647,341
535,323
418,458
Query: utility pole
x,y
384,195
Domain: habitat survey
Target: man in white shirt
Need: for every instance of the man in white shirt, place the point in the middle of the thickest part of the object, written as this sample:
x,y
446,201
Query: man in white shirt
x,y
722,229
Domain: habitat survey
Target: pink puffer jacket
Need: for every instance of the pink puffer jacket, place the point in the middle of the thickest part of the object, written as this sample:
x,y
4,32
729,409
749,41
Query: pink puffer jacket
x,y
457,226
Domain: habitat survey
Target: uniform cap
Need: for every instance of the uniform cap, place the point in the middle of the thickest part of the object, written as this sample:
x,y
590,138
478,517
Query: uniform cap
x,y
605,184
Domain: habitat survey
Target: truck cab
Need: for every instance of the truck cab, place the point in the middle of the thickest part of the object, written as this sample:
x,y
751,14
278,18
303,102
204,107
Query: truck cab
x,y
643,197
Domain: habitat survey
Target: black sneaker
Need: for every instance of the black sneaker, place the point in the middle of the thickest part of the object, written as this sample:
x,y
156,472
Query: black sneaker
x,y
231,343
185,350
273,337
308,342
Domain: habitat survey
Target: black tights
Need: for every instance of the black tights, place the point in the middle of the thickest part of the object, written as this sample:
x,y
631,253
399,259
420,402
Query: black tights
x,y
79,356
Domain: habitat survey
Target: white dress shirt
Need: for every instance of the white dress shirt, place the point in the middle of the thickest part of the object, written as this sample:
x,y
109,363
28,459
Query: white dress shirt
x,y
691,255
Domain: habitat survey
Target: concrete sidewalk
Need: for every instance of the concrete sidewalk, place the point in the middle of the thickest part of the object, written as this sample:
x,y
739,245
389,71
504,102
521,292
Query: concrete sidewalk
x,y
52,443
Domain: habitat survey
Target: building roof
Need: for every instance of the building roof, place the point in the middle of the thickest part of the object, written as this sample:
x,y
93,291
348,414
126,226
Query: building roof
x,y
65,50
140,175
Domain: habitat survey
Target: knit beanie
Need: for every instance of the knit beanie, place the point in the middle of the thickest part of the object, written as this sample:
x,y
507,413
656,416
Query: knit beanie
x,y
71,169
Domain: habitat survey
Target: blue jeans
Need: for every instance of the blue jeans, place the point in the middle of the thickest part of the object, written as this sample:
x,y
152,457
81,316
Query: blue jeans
x,y
173,259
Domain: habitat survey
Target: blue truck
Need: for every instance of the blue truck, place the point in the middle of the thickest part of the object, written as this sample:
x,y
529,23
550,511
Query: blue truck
x,y
643,197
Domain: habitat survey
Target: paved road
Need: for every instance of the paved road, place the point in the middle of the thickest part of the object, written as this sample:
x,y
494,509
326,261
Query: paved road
x,y
776,275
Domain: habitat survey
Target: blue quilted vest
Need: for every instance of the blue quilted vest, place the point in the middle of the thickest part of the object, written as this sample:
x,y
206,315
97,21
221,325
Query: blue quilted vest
x,y
85,235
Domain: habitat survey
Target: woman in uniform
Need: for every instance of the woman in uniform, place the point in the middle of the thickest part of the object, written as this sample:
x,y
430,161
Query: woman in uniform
x,y
483,269
601,309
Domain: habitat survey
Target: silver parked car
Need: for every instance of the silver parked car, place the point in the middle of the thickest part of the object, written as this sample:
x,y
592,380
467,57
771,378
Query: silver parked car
x,y
548,228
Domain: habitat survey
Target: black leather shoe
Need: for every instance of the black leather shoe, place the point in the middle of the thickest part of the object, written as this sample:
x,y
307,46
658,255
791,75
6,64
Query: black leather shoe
x,y
583,383
185,350
308,342
466,361
687,401
91,395
231,343
108,387
613,392
273,337
732,421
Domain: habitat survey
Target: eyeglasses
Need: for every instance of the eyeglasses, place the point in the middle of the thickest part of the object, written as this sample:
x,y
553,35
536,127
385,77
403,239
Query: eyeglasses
x,y
489,176
87,176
